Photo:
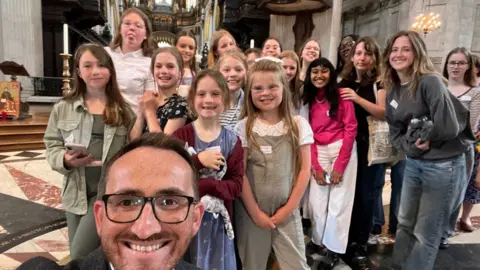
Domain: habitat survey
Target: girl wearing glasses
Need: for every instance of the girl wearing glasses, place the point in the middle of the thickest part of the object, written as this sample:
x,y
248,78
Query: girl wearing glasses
x,y
219,157
131,50
96,116
435,152
459,69
277,157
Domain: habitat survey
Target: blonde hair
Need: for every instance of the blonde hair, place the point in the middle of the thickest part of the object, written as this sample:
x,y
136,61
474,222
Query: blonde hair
x,y
213,54
116,110
217,77
296,84
235,54
148,45
250,112
422,65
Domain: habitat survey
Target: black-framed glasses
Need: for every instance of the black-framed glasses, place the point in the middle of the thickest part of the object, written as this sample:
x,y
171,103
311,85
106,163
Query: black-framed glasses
x,y
459,63
126,208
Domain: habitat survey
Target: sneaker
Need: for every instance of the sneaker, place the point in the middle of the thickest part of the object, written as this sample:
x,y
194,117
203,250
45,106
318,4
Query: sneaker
x,y
444,244
329,261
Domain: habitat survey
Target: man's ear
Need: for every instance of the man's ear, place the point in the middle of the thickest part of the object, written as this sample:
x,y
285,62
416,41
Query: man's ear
x,y
100,215
198,212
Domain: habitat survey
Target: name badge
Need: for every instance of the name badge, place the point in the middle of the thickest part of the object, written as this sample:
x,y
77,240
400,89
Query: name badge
x,y
214,148
466,98
266,149
394,104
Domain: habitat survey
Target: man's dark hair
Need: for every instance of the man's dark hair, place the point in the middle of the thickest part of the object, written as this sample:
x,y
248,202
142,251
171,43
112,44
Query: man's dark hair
x,y
156,141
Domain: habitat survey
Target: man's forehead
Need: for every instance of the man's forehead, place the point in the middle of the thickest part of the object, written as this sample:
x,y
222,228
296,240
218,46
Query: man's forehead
x,y
150,170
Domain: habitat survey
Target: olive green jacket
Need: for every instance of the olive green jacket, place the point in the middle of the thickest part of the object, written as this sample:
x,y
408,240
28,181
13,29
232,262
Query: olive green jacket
x,y
70,122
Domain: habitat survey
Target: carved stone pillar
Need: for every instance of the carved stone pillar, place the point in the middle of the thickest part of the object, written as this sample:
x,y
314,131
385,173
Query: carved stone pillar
x,y
336,30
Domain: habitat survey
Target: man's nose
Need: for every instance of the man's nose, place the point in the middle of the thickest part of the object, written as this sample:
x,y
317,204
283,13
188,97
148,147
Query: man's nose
x,y
146,225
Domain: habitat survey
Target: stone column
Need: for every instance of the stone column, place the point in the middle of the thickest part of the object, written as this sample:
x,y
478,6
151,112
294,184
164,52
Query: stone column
x,y
336,31
21,37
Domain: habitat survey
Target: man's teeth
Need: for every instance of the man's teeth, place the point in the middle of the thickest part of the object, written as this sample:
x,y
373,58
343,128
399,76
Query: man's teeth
x,y
145,248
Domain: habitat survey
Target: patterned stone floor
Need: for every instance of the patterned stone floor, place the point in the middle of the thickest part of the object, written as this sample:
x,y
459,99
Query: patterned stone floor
x,y
32,222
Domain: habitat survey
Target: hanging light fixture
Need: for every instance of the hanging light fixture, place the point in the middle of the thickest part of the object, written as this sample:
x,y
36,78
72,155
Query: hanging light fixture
x,y
426,23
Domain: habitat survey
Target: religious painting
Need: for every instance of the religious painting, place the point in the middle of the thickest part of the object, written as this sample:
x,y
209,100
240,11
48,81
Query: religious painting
x,y
10,98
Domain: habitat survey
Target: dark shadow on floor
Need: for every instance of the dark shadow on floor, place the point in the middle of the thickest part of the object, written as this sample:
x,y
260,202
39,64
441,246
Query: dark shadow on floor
x,y
456,257
24,220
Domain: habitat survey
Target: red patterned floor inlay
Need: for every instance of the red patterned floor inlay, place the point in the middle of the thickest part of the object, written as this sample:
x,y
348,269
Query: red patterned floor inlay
x,y
52,245
36,189
23,257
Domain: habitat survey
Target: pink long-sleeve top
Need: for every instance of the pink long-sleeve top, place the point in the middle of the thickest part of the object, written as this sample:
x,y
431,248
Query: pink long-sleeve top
x,y
327,130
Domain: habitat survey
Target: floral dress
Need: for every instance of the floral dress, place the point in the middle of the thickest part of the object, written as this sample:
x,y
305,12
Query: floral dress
x,y
472,195
174,108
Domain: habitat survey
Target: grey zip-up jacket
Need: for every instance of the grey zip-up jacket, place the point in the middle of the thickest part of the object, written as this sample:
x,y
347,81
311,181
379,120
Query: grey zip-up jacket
x,y
451,135
71,122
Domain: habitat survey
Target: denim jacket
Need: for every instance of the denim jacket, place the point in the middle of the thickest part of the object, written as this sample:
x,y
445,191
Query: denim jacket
x,y
70,122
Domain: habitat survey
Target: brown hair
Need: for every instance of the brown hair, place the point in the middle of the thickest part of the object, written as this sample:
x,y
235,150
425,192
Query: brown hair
x,y
238,55
116,110
250,112
469,76
217,77
371,76
256,51
193,62
422,65
295,84
148,45
272,38
303,47
213,55
173,51
476,63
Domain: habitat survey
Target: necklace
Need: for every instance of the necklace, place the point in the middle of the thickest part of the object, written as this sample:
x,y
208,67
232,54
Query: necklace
x,y
320,101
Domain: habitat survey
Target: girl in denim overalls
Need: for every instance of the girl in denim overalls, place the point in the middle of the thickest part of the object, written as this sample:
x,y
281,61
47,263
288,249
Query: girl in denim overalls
x,y
277,158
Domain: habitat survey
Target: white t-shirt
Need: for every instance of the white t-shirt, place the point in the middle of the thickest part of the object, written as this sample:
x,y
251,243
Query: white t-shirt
x,y
133,75
262,129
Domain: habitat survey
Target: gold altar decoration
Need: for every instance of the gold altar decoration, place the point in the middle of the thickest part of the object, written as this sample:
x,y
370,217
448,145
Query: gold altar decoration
x,y
427,23
66,73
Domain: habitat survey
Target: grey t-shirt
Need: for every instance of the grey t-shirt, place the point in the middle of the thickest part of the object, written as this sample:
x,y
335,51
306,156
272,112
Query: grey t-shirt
x,y
451,134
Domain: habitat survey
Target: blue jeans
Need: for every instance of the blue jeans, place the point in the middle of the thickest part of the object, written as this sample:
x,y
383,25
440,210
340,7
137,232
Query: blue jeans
x,y
396,177
459,194
427,194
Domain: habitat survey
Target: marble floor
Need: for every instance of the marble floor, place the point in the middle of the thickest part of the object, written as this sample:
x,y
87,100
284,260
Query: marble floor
x,y
32,222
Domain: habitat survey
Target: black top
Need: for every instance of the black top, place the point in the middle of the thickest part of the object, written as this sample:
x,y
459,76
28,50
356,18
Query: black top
x,y
175,107
366,92
95,261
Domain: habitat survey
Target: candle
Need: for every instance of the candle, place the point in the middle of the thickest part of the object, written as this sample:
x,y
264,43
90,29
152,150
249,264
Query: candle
x,y
65,38
252,43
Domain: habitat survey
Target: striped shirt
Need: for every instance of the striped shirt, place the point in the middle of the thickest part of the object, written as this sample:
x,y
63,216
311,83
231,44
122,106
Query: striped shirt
x,y
471,100
133,75
230,117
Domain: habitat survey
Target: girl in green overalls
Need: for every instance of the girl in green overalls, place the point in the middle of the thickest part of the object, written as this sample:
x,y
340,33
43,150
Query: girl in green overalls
x,y
277,157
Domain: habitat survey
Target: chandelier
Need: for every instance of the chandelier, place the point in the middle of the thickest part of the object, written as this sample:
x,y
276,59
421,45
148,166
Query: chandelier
x,y
427,23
